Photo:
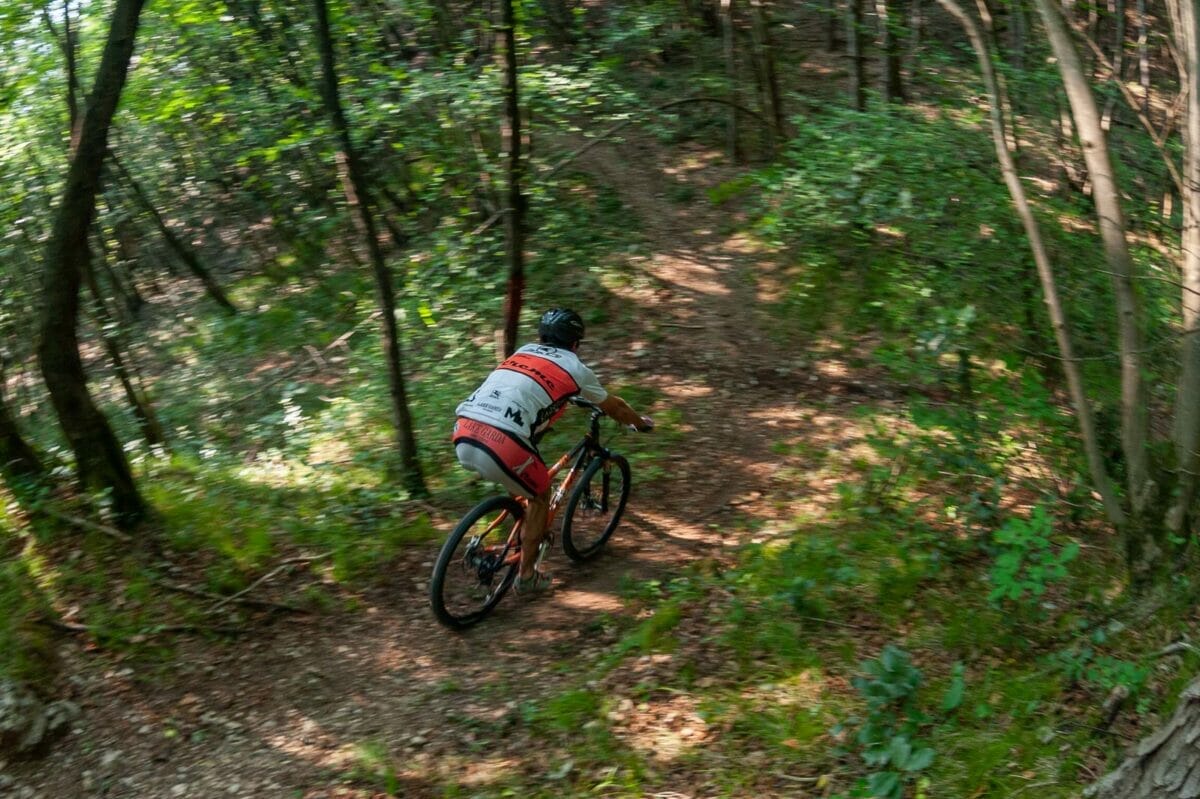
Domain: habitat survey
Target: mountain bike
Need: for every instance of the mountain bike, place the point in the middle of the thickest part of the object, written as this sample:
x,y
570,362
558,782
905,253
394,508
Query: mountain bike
x,y
480,560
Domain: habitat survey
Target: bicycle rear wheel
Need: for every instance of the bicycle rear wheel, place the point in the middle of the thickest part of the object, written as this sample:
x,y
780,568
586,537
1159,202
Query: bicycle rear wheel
x,y
595,507
476,565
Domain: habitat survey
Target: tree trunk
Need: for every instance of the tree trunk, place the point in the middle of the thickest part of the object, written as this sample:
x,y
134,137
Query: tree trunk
x,y
1058,318
833,26
182,250
514,218
1134,417
761,28
854,51
1165,765
18,461
728,33
1187,399
354,183
1143,52
889,39
99,458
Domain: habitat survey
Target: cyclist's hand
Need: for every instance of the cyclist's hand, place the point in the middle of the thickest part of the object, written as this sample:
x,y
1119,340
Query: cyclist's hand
x,y
646,425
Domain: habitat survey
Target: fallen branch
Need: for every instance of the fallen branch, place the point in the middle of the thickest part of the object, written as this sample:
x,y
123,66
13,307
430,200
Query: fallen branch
x,y
287,564
85,524
258,390
260,603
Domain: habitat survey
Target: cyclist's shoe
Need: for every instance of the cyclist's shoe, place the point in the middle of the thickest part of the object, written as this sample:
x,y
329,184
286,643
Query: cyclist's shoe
x,y
538,583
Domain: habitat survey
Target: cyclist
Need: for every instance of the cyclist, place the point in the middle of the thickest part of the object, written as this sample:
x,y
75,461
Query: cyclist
x,y
499,425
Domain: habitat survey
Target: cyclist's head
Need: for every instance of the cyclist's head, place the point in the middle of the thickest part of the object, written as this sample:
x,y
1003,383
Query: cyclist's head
x,y
561,327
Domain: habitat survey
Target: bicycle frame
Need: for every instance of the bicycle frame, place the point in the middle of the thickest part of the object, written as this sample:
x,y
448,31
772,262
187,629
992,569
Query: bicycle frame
x,y
578,456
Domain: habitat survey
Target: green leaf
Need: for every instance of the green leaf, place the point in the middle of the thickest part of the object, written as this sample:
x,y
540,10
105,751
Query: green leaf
x,y
954,693
899,751
920,760
885,785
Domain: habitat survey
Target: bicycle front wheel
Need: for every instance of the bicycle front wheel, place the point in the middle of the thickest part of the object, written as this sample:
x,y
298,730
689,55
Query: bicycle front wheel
x,y
477,564
595,507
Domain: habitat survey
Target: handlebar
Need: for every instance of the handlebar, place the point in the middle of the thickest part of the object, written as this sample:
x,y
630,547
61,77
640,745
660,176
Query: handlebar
x,y
582,403
597,412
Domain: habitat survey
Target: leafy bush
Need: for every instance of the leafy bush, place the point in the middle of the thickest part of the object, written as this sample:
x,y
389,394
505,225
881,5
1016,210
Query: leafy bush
x,y
1026,562
888,734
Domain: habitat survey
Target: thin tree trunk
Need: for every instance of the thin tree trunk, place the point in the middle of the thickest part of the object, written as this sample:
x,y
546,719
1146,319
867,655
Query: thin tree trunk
x,y
69,45
1119,39
354,183
181,250
99,457
514,220
916,26
1006,107
1143,52
1186,432
761,29
833,26
1105,194
1058,318
854,51
889,27
139,403
728,33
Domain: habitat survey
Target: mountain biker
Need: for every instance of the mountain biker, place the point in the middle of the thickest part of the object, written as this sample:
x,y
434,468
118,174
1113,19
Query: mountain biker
x,y
500,424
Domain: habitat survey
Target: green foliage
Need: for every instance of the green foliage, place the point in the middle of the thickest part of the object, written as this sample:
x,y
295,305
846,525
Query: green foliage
x,y
1026,562
887,735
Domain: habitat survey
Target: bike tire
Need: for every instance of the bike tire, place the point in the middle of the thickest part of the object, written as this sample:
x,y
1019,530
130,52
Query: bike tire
x,y
591,516
443,597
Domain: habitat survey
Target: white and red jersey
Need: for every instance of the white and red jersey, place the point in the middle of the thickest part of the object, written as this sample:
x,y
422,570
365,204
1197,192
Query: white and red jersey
x,y
526,393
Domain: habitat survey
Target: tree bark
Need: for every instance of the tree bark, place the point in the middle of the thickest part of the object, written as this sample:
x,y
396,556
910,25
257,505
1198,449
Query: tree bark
x,y
833,26
761,27
99,458
1166,764
1134,417
854,51
514,219
729,39
354,183
1143,53
889,39
1186,431
1058,318
18,461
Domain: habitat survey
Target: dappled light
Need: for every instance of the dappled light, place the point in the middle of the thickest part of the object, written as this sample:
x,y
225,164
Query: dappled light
x,y
911,509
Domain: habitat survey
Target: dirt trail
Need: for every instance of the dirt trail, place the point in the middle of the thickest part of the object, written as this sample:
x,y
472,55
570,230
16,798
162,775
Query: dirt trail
x,y
289,712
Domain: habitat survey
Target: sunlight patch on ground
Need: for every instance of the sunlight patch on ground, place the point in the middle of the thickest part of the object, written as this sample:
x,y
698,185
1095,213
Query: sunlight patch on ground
x,y
305,739
689,271
663,727
694,162
481,772
592,601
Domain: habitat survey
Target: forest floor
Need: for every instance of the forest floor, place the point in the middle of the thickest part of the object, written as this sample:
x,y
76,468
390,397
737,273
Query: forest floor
x,y
374,698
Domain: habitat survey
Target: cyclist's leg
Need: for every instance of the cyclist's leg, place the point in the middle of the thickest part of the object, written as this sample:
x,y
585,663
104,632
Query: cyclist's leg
x,y
533,531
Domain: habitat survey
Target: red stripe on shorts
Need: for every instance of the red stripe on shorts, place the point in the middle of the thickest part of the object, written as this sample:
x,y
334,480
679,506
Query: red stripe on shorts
x,y
518,460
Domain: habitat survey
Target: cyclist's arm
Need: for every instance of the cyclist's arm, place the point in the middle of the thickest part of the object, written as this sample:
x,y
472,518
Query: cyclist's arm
x,y
620,410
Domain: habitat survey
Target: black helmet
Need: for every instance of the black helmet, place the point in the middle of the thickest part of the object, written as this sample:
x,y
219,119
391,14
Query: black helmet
x,y
561,327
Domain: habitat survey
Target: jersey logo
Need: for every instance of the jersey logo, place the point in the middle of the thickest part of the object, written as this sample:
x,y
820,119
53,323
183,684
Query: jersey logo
x,y
549,376
509,413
